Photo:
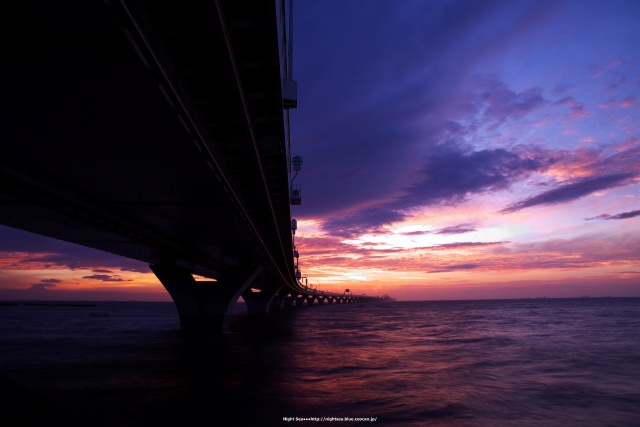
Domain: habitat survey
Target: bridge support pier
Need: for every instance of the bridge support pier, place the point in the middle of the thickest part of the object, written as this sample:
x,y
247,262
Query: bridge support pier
x,y
258,303
279,300
204,306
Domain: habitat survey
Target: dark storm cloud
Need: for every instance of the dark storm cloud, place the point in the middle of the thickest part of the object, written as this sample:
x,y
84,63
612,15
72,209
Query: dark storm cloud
x,y
623,215
571,191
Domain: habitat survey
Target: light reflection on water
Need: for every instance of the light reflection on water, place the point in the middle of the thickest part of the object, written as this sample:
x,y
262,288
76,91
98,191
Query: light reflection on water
x,y
474,363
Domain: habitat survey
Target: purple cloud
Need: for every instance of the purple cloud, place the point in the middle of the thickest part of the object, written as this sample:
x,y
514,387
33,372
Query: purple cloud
x,y
105,277
466,245
450,174
571,191
457,229
53,252
623,215
44,285
503,103
455,267
364,221
404,92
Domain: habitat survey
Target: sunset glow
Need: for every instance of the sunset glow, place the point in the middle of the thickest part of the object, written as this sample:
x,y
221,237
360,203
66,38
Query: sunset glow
x,y
452,150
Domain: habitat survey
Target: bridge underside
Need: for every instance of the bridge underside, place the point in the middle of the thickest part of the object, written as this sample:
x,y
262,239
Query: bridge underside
x,y
125,130
156,131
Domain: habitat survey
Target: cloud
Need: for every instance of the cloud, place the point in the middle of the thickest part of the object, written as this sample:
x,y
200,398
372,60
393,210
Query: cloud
x,y
450,174
364,221
627,102
455,267
607,104
410,85
106,278
623,215
466,245
43,285
457,229
576,109
597,70
503,103
571,191
32,251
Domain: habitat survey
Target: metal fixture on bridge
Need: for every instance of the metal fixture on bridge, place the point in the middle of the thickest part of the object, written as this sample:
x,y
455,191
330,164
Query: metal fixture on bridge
x,y
296,195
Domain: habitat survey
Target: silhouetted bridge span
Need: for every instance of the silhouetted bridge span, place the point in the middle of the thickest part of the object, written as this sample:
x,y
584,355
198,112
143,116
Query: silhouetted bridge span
x,y
159,131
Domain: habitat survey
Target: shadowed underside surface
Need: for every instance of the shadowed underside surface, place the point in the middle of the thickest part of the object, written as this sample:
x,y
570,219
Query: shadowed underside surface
x,y
157,131
149,129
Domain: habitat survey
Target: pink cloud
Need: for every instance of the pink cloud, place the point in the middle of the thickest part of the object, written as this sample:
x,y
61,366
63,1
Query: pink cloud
x,y
608,104
578,111
598,70
629,101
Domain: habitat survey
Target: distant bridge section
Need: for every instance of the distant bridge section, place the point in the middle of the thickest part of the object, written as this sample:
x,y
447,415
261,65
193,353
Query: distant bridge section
x,y
157,130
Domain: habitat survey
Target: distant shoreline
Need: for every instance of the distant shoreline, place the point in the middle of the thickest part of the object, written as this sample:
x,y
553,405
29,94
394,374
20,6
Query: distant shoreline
x,y
52,304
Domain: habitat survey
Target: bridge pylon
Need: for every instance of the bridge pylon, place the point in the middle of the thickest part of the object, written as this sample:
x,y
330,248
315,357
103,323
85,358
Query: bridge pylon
x,y
205,306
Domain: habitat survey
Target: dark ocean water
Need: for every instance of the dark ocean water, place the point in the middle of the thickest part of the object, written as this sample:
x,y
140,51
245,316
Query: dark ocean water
x,y
539,362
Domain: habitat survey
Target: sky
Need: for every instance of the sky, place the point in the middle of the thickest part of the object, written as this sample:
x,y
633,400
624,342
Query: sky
x,y
452,150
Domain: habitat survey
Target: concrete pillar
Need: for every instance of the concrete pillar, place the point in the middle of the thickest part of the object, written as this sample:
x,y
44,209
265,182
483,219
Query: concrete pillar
x,y
290,299
279,300
258,303
299,300
205,306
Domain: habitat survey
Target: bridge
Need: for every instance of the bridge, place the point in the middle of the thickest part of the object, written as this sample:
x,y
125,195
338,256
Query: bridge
x,y
159,131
